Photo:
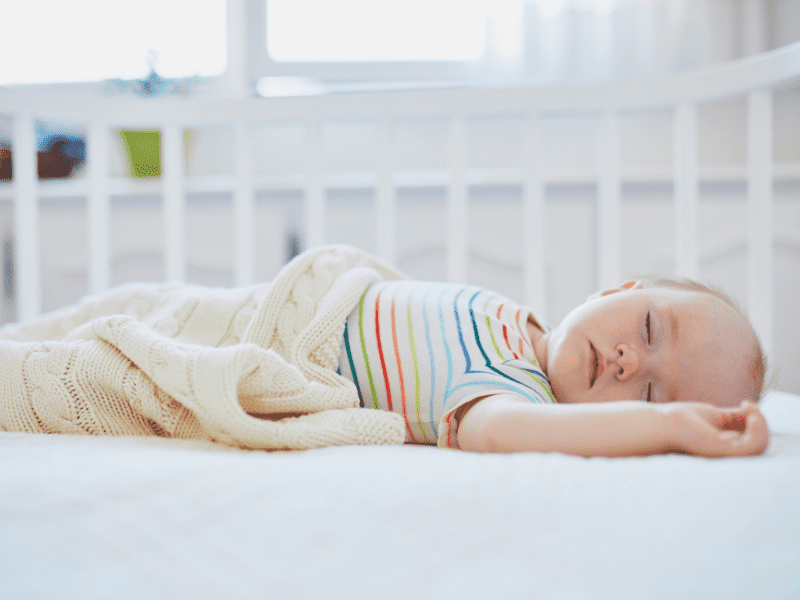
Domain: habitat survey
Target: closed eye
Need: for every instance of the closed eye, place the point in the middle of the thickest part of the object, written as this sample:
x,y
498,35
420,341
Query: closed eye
x,y
647,324
649,391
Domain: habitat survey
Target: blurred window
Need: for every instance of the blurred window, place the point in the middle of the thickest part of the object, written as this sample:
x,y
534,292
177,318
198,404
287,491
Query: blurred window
x,y
92,40
376,31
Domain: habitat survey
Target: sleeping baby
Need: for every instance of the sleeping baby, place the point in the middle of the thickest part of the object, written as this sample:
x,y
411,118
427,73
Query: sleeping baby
x,y
652,366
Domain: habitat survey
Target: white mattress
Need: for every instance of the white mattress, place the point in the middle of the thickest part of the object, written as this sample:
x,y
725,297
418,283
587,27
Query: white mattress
x,y
86,517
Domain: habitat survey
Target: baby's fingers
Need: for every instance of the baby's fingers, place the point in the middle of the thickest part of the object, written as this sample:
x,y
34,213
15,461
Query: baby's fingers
x,y
755,438
735,418
745,433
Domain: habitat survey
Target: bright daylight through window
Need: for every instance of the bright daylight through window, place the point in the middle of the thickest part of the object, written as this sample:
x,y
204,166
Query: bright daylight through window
x,y
92,40
370,30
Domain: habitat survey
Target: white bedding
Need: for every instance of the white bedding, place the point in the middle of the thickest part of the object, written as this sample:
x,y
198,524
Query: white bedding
x,y
89,517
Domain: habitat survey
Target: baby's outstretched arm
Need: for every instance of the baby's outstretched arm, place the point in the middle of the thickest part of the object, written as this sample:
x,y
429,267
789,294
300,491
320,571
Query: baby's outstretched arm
x,y
507,423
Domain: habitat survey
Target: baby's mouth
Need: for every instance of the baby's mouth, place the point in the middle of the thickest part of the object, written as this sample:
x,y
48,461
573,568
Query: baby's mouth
x,y
593,365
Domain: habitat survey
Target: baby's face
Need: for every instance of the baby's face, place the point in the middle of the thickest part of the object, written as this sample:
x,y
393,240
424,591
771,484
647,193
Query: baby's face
x,y
655,344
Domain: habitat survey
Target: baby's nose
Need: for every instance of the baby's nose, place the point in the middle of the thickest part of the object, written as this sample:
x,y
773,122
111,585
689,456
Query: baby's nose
x,y
626,361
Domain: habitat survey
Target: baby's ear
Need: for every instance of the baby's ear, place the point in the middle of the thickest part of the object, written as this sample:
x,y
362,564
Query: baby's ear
x,y
631,284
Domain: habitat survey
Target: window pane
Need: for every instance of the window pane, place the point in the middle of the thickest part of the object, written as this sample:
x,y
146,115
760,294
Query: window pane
x,y
375,30
91,40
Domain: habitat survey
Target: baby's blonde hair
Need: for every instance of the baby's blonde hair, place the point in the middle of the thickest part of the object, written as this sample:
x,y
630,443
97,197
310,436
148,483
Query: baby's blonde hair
x,y
758,366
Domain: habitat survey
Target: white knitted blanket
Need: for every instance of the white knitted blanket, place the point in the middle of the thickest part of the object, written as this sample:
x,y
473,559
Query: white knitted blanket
x,y
200,363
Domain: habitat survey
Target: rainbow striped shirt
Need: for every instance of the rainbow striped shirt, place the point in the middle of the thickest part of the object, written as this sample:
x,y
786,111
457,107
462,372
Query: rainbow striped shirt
x,y
423,349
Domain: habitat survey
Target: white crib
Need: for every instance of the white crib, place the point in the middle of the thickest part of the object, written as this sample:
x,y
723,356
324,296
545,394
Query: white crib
x,y
681,94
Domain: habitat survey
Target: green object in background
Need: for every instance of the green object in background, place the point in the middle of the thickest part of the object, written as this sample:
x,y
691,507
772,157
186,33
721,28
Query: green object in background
x,y
144,152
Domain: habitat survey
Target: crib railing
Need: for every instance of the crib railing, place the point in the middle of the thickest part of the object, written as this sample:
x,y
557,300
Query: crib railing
x,y
754,77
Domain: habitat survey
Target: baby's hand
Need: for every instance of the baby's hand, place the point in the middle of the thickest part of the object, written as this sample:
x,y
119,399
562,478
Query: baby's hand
x,y
706,430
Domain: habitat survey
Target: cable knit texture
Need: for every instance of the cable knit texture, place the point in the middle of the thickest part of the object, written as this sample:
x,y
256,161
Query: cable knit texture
x,y
180,360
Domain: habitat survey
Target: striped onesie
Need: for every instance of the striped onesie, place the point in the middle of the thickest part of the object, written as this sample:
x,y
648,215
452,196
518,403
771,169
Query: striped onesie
x,y
423,349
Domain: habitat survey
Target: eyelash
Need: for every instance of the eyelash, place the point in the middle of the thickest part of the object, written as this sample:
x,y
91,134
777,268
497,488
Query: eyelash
x,y
649,341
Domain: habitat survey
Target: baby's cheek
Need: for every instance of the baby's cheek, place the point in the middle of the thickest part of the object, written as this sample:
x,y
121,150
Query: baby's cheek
x,y
614,324
564,377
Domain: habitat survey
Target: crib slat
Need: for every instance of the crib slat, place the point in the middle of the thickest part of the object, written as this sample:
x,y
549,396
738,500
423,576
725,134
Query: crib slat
x,y
99,237
534,230
609,225
385,201
457,207
244,210
174,203
759,213
27,267
685,165
315,191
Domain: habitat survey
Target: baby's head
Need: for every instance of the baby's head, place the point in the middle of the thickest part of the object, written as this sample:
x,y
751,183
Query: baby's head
x,y
659,339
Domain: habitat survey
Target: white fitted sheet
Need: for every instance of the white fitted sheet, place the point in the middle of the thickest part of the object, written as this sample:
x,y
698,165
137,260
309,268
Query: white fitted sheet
x,y
88,517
